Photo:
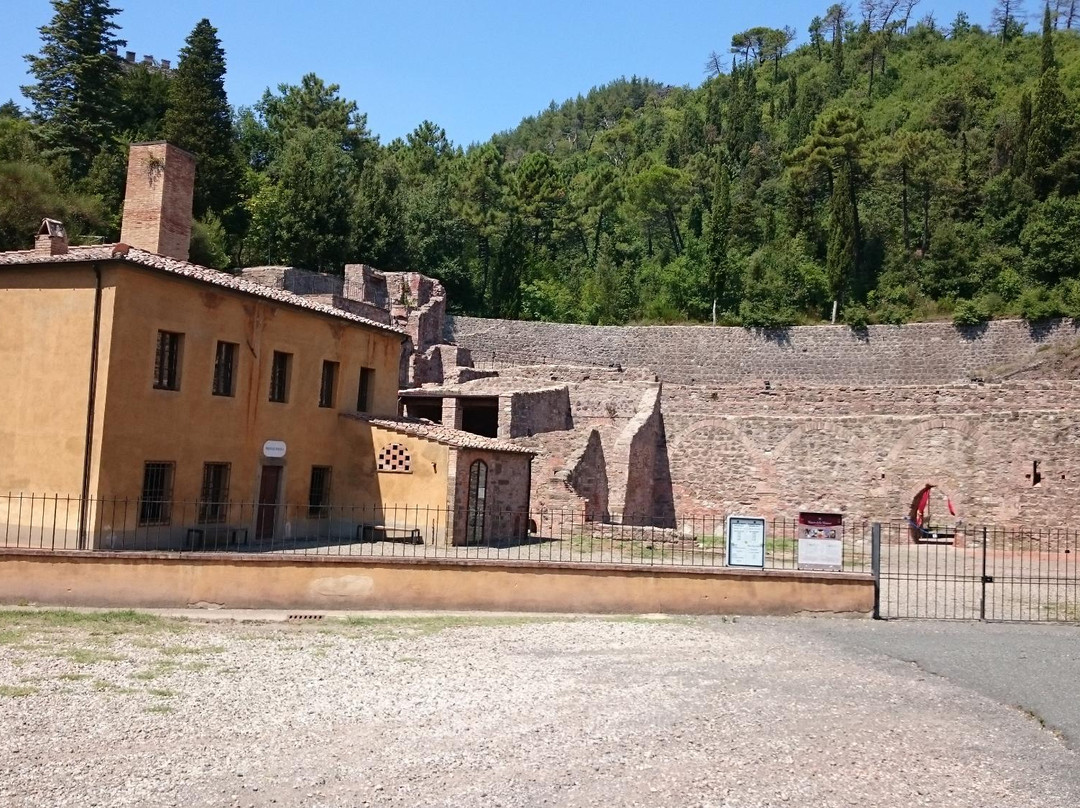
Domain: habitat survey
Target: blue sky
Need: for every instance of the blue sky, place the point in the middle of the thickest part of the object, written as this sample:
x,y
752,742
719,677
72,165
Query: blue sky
x,y
474,68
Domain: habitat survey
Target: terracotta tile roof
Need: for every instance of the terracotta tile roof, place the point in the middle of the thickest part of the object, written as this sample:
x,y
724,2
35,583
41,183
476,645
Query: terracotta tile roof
x,y
131,255
421,428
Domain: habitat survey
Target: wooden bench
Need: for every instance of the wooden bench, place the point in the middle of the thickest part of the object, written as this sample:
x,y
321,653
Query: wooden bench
x,y
215,538
377,533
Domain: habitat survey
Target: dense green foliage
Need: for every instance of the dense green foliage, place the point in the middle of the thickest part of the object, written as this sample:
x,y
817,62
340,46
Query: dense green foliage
x,y
886,168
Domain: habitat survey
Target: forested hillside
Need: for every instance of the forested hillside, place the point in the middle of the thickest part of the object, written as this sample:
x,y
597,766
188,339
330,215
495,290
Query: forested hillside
x,y
895,169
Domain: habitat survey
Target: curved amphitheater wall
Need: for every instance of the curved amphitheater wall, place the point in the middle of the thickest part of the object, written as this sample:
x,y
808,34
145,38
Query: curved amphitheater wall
x,y
916,353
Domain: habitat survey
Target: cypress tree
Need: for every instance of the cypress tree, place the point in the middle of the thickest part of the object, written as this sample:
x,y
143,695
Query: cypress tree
x,y
842,251
199,120
1023,134
1049,118
76,93
720,286
837,79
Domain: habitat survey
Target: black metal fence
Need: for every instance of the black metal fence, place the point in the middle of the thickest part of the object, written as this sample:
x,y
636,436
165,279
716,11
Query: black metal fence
x,y
546,535
979,573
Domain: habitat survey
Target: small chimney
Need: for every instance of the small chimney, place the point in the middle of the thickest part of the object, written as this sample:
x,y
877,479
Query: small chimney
x,y
148,60
165,64
51,238
129,57
157,200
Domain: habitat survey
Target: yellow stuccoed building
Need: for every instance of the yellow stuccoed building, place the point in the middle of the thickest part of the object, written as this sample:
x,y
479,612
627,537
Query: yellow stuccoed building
x,y
149,402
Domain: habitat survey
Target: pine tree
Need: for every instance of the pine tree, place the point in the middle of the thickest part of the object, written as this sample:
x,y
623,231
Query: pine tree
x,y
1005,19
200,121
1050,130
75,97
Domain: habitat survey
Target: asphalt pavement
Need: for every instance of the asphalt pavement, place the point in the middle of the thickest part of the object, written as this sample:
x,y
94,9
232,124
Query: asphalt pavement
x,y
1034,668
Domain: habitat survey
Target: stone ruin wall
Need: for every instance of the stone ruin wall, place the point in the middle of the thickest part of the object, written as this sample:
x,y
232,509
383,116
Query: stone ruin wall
x,y
847,424
529,412
916,353
869,457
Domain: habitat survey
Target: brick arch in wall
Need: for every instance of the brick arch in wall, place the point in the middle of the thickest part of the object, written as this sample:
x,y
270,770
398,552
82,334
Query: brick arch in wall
x,y
821,465
945,453
836,429
717,468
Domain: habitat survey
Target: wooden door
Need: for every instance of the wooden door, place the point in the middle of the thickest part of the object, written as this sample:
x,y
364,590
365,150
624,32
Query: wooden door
x,y
269,488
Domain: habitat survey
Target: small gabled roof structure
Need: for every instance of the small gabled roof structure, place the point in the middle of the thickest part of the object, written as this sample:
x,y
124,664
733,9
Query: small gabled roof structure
x,y
429,430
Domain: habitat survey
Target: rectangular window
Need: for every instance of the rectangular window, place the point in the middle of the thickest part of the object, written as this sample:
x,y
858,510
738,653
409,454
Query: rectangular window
x,y
167,361
224,369
155,504
319,493
214,496
329,384
367,389
279,377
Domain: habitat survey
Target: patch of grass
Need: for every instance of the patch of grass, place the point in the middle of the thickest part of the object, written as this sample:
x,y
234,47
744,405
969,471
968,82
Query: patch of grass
x,y
780,546
180,650
195,666
70,618
16,691
102,686
89,656
11,636
154,671
433,625
160,708
1064,613
161,692
73,677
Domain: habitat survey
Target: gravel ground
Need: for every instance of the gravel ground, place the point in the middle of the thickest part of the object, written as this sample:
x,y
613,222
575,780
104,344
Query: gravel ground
x,y
123,710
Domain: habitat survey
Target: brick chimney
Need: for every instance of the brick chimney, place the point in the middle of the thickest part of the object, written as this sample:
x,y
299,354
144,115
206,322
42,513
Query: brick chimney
x,y
51,238
157,200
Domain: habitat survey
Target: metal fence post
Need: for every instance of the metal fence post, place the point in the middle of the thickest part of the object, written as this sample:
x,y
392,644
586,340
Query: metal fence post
x,y
982,580
875,566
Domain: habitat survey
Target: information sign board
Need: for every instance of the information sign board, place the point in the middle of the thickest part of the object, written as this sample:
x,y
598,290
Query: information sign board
x,y
745,541
821,554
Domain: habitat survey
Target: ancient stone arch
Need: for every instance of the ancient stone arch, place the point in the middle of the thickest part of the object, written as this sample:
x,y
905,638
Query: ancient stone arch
x,y
716,466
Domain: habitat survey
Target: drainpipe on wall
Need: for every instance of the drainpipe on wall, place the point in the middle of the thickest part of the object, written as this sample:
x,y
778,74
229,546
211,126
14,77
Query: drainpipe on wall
x,y
91,396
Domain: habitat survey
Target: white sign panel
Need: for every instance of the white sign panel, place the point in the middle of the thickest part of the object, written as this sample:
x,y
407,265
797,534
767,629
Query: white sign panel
x,y
821,554
745,541
274,448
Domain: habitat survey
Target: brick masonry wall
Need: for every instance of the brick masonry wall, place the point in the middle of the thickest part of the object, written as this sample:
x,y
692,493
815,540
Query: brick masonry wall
x,y
508,479
916,353
534,411
869,456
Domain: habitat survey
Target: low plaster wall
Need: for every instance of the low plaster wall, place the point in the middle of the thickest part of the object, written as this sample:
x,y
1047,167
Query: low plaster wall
x,y
147,580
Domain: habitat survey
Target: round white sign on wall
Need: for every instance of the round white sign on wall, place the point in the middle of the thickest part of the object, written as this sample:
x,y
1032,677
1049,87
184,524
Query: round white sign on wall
x,y
274,448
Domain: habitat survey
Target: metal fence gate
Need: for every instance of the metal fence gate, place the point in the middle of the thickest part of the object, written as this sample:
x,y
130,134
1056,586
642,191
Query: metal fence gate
x,y
977,573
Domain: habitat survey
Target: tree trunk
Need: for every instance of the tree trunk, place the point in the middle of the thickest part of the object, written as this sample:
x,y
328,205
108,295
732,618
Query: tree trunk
x,y
926,219
596,237
904,208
